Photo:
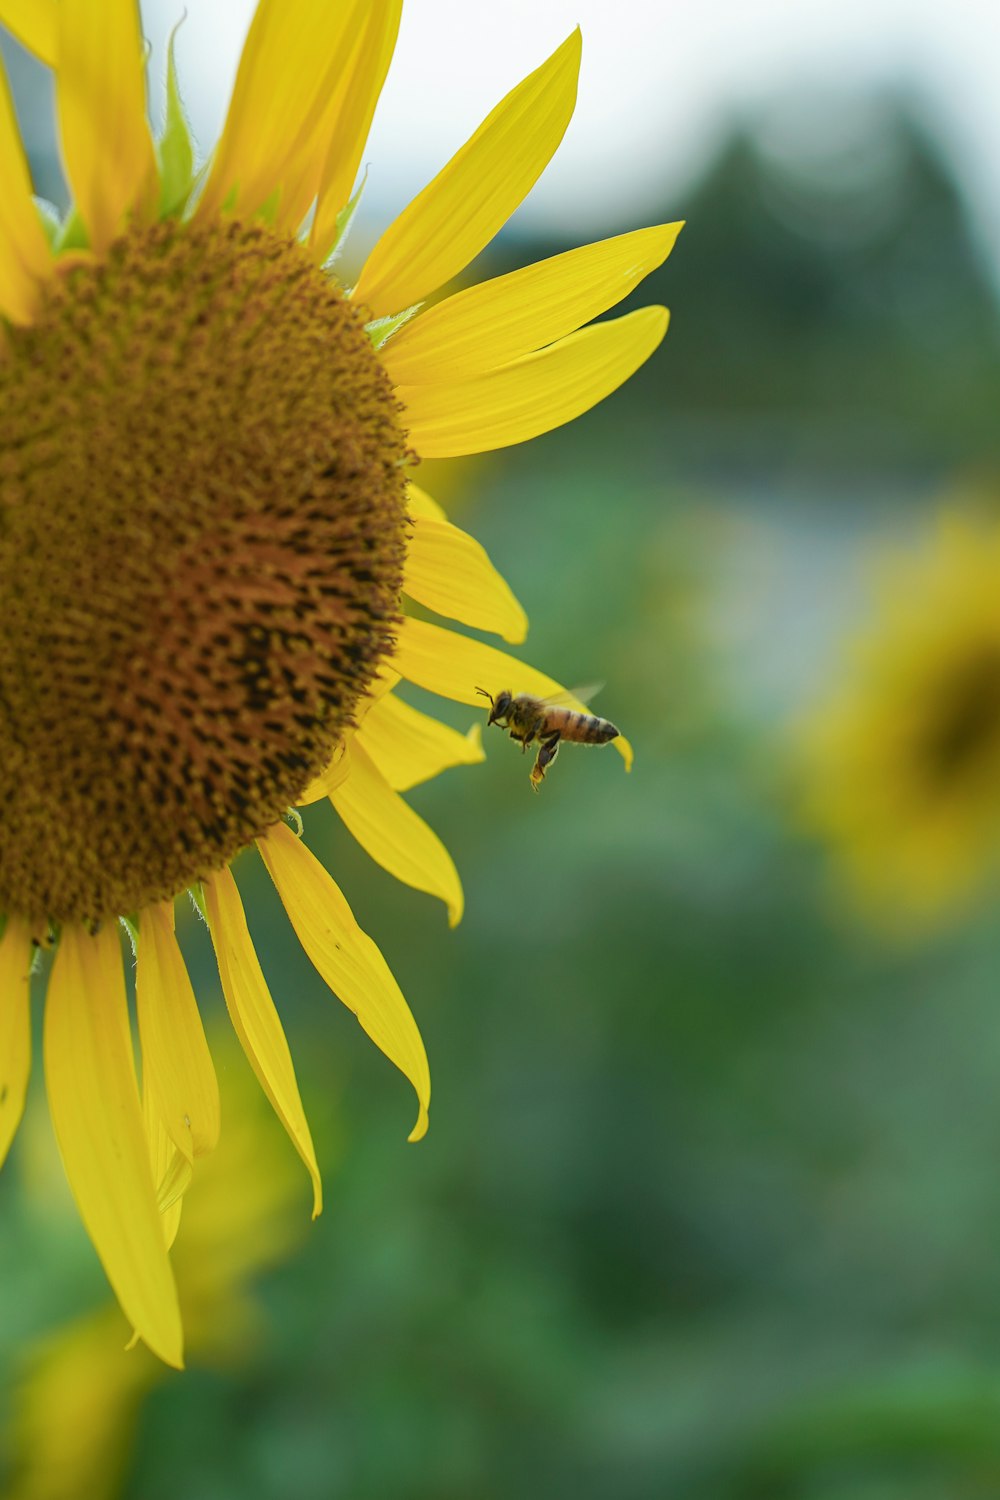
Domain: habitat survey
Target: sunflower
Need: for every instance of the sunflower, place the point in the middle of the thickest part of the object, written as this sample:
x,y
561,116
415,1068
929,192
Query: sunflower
x,y
208,531
902,759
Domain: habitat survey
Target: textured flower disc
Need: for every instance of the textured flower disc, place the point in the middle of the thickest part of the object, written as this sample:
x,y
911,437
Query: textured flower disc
x,y
201,547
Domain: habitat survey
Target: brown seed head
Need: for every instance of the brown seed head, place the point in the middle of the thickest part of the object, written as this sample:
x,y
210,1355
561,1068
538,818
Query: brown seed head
x,y
201,545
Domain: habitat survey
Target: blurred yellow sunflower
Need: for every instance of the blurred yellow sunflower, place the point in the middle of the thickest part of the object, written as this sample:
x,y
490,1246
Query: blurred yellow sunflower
x,y
902,758
207,531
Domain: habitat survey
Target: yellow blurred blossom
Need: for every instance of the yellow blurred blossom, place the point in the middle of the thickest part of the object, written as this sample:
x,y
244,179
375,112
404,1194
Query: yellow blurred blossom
x,y
902,757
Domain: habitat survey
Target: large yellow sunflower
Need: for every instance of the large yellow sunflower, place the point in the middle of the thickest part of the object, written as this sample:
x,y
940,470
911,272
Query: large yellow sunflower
x,y
901,758
207,527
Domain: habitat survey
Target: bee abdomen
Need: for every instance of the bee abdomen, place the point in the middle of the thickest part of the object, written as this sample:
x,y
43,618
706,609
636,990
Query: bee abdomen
x,y
588,729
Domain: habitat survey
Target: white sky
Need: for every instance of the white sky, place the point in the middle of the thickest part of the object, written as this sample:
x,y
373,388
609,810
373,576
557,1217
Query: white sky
x,y
660,84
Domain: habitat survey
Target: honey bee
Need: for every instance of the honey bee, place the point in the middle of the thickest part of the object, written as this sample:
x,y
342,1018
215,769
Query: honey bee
x,y
548,721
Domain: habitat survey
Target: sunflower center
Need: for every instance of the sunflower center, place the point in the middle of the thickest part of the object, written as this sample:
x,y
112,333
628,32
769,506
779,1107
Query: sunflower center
x,y
964,732
201,546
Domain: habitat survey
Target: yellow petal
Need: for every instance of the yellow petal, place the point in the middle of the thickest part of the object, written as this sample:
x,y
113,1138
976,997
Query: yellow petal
x,y
326,783
170,1190
176,1063
338,767
346,958
453,665
35,24
94,1103
24,255
276,135
471,198
172,1171
448,571
351,117
384,681
504,319
16,952
255,1019
419,503
394,835
409,747
534,394
101,91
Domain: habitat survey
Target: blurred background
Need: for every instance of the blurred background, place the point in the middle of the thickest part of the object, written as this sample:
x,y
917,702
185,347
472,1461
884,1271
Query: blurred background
x,y
710,1203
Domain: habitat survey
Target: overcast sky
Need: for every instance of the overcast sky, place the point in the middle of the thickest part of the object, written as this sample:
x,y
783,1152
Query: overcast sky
x,y
660,84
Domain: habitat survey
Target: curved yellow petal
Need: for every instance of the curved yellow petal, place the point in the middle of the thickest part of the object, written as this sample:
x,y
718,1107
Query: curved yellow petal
x,y
534,394
107,149
338,767
502,320
35,24
328,780
16,952
471,198
351,118
94,1103
276,136
419,503
409,747
453,665
447,571
394,835
172,1170
176,1063
255,1019
25,260
346,958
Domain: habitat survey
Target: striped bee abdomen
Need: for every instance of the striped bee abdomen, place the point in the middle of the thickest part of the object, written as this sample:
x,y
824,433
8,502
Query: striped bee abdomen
x,y
584,729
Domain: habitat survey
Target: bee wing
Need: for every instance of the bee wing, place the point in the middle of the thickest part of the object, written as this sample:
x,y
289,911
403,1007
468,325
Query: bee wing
x,y
574,695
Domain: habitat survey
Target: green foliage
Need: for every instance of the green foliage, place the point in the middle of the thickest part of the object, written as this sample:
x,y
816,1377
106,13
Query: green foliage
x,y
72,234
382,329
176,146
344,220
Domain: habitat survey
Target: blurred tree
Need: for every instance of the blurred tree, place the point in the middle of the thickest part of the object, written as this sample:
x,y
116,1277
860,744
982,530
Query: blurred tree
x,y
830,298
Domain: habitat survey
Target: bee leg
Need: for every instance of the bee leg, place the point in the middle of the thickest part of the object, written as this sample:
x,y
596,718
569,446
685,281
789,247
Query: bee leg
x,y
547,752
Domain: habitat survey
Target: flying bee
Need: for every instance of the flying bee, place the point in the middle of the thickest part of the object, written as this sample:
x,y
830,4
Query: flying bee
x,y
548,721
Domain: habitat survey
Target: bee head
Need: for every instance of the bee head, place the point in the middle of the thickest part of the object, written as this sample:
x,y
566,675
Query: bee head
x,y
499,705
